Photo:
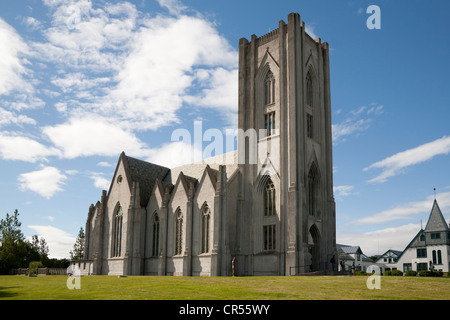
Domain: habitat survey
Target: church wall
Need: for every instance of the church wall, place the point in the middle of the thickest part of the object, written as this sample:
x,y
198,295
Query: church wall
x,y
178,200
120,192
154,205
201,262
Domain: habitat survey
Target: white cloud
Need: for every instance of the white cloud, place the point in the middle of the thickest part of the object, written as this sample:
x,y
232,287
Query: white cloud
x,y
100,182
174,6
342,191
379,241
45,182
358,121
13,147
149,64
32,23
396,163
175,154
407,211
12,65
81,137
8,117
59,242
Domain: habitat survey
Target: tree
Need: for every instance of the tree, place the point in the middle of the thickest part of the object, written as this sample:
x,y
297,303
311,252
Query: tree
x,y
41,247
15,250
78,248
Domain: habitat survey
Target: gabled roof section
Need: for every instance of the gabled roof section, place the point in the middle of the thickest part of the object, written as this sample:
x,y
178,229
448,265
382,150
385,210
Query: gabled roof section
x,y
349,249
143,172
436,221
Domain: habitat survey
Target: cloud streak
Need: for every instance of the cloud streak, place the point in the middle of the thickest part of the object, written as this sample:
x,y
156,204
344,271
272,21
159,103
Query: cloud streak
x,y
406,211
397,163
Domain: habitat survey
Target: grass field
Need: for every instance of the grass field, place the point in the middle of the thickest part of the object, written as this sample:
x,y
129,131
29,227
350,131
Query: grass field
x,y
222,288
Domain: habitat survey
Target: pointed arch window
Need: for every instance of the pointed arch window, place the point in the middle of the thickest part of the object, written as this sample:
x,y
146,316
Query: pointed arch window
x,y
179,233
206,221
313,179
269,88
117,240
309,90
269,199
155,247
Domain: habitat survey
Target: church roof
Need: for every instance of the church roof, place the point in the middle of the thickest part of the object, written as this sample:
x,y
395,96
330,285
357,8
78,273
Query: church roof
x,y
145,173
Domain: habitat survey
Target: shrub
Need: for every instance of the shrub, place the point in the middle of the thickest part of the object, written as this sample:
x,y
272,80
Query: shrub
x,y
360,273
397,273
437,274
388,273
32,268
411,273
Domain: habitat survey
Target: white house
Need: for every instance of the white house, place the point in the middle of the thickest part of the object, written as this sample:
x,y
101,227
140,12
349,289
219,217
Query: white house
x,y
430,248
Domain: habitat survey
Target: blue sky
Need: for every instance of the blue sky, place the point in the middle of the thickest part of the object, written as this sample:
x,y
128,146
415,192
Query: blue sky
x,y
81,81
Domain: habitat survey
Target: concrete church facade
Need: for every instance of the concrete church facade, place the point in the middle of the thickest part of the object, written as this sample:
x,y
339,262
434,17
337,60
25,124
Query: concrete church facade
x,y
266,209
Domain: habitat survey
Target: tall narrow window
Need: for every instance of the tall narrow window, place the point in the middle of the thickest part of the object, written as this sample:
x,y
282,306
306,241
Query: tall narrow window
x,y
269,123
309,125
313,178
269,199
434,257
269,88
309,90
155,248
439,257
269,237
179,233
117,243
206,219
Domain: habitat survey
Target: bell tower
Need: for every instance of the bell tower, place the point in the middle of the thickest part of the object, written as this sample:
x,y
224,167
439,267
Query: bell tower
x,y
287,193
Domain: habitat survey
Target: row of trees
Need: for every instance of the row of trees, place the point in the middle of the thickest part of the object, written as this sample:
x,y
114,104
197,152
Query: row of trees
x,y
17,252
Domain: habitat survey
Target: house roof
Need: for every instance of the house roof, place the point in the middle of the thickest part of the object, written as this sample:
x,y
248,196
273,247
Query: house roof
x,y
436,221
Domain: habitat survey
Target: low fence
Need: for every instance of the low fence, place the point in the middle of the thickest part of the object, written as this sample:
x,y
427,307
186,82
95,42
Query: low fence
x,y
42,271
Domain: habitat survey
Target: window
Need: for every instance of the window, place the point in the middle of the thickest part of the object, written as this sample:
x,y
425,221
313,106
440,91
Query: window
x,y
422,266
309,90
269,88
269,123
309,125
206,219
421,253
439,257
155,248
179,233
407,266
422,237
434,257
435,235
313,178
269,199
117,242
269,237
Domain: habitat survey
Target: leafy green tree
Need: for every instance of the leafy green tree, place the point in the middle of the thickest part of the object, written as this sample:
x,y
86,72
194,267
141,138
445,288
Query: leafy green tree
x,y
15,250
41,247
78,248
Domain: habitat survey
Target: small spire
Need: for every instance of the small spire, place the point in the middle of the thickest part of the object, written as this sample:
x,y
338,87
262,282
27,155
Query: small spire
x,y
434,189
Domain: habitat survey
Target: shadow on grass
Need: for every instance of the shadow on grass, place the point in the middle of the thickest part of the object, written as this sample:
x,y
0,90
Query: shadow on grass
x,y
4,293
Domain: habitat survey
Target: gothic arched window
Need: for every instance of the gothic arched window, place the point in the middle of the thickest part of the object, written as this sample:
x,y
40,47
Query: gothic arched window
x,y
206,220
269,88
309,90
269,199
155,247
117,240
313,180
179,232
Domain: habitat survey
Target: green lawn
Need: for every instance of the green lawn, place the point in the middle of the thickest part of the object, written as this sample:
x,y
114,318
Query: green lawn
x,y
222,288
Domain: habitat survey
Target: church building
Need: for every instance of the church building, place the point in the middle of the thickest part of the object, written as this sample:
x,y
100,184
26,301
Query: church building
x,y
265,209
